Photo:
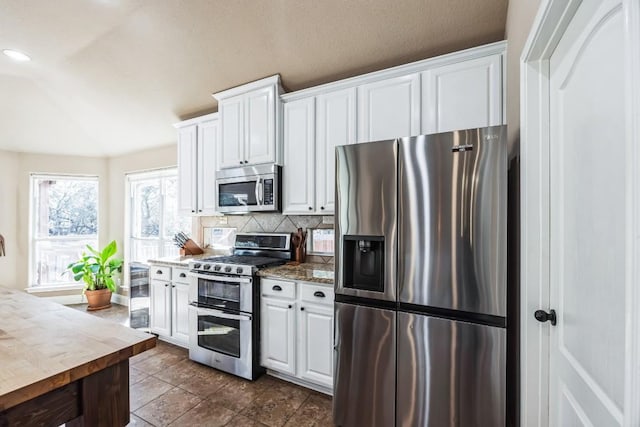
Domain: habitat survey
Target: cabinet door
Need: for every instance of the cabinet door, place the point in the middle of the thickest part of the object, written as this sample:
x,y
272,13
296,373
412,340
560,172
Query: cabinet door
x,y
207,165
187,167
180,312
389,108
335,125
315,344
462,96
160,302
231,152
278,335
260,113
299,156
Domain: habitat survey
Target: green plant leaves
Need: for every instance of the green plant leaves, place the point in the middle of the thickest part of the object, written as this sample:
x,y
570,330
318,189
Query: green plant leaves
x,y
97,269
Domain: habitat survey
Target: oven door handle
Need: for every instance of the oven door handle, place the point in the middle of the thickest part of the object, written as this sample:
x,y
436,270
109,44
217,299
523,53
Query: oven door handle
x,y
218,313
217,278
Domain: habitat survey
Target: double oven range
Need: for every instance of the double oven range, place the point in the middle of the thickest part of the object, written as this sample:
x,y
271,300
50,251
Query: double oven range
x,y
224,303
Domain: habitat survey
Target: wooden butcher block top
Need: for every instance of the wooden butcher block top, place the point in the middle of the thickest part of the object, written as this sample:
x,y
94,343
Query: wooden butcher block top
x,y
44,345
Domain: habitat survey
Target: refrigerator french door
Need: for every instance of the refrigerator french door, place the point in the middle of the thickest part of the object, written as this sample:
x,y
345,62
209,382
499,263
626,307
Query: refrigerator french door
x,y
436,270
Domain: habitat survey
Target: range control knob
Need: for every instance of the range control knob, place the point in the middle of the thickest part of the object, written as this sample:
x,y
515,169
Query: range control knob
x,y
227,269
207,266
216,267
198,265
239,270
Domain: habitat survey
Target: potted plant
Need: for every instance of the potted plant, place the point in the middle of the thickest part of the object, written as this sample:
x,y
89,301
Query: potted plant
x,y
97,269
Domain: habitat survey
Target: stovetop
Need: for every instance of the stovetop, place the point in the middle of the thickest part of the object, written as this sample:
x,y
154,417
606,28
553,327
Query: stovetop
x,y
255,261
237,265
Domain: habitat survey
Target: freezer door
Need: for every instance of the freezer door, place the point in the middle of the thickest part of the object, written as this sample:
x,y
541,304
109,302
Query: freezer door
x,y
365,366
453,217
450,373
366,220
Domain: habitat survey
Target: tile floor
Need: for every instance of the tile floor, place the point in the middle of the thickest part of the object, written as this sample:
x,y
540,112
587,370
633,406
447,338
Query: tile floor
x,y
168,389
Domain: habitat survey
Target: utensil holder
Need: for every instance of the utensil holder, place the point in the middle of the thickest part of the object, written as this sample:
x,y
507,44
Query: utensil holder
x,y
300,254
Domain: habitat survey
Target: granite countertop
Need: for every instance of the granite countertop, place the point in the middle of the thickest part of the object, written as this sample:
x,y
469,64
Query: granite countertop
x,y
306,272
180,261
44,345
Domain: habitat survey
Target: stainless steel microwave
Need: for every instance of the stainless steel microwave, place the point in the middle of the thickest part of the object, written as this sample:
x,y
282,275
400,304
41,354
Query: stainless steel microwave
x,y
249,189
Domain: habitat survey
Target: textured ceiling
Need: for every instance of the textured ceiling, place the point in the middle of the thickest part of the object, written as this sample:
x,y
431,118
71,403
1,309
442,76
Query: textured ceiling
x,y
112,76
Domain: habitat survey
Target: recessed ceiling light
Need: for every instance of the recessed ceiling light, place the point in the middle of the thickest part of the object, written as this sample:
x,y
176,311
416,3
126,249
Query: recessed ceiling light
x,y
16,56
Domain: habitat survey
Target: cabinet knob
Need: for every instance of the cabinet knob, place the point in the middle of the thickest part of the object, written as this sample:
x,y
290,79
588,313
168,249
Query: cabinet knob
x,y
301,308
193,211
290,306
200,210
183,275
318,294
241,162
166,284
310,208
246,161
321,207
159,272
277,288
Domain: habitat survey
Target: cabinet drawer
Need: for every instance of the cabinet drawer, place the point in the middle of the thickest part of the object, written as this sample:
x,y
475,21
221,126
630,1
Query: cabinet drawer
x,y
316,294
278,288
179,275
160,272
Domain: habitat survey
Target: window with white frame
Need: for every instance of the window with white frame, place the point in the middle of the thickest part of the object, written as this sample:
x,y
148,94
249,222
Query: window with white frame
x,y
64,219
153,215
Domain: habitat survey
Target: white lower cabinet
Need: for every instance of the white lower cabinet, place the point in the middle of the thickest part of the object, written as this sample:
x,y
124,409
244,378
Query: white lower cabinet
x,y
297,332
168,306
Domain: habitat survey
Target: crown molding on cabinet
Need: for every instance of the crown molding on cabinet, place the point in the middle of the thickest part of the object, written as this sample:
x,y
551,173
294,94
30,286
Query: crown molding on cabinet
x,y
401,70
248,87
196,120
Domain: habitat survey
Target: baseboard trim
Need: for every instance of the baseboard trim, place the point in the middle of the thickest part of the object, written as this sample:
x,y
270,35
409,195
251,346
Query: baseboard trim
x,y
303,383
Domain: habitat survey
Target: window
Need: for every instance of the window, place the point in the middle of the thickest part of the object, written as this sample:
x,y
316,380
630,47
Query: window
x,y
153,213
321,241
64,219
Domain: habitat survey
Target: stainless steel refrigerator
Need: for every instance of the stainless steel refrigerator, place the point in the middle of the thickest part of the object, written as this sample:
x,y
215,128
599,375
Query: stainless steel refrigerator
x,y
421,281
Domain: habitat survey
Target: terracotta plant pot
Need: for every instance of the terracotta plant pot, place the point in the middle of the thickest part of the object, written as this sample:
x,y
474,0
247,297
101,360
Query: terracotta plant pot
x,y
98,299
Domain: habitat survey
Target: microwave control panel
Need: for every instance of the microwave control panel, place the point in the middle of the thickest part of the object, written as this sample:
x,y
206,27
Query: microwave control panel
x,y
268,192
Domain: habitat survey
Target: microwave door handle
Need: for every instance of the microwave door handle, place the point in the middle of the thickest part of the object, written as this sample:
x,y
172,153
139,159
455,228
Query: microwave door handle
x,y
259,195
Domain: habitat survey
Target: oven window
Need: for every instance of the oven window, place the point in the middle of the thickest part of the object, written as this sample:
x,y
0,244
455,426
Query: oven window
x,y
219,335
237,194
219,294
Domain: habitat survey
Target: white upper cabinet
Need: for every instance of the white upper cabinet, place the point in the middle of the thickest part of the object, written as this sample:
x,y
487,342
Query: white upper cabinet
x,y
335,125
299,165
208,136
197,151
313,127
249,120
187,169
232,132
389,108
463,95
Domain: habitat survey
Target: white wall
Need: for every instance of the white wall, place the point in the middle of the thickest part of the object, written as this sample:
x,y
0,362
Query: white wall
x,y
9,217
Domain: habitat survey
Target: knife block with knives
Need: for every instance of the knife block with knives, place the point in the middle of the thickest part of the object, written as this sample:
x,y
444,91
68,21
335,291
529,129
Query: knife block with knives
x,y
298,243
186,245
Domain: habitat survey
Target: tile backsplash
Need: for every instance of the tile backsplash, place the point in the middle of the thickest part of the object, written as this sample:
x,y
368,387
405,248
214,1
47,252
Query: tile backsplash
x,y
270,223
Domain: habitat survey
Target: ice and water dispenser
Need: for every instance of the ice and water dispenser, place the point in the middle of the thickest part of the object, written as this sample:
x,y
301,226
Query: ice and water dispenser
x,y
364,263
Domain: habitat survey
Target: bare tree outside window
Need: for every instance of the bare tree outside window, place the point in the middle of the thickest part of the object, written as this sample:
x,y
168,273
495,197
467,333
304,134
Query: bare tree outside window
x,y
64,220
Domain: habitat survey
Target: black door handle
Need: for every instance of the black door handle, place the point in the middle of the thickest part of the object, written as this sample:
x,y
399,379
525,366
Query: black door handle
x,y
318,294
543,316
183,275
277,288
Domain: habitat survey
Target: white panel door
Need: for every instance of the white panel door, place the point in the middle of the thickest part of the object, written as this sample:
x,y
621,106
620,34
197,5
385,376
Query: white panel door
x,y
315,344
335,125
260,142
299,156
160,307
180,312
207,165
277,329
187,170
389,108
231,151
462,96
587,220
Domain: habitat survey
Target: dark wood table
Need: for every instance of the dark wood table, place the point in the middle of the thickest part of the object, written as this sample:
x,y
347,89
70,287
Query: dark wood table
x,y
60,365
